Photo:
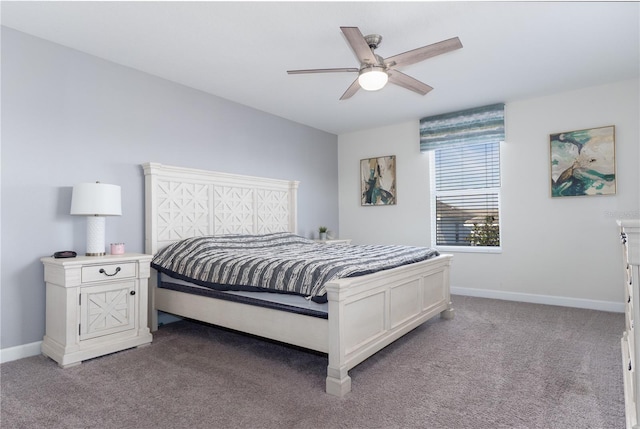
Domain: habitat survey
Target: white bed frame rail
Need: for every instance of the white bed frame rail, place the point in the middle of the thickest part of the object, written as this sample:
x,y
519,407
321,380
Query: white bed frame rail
x,y
366,313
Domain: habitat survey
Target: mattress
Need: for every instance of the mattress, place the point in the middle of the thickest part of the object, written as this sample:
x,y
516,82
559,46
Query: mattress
x,y
278,301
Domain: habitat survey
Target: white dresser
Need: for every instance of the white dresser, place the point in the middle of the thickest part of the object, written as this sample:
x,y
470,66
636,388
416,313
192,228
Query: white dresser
x,y
95,305
630,238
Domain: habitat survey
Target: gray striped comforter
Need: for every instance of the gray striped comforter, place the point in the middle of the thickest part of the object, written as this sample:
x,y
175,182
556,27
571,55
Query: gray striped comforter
x,y
281,262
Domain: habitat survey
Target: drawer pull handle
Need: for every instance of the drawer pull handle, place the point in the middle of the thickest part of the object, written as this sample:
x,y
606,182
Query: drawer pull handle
x,y
133,292
102,271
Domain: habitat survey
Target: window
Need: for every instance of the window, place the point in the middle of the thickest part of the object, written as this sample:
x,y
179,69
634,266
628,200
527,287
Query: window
x,y
466,195
464,151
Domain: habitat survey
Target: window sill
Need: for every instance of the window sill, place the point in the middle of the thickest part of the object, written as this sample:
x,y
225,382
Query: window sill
x,y
468,249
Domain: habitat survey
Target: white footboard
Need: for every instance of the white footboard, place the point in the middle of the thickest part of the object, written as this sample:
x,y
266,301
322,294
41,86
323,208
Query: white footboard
x,y
368,313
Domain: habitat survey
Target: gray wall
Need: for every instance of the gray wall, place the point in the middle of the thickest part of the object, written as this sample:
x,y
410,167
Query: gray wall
x,y
68,117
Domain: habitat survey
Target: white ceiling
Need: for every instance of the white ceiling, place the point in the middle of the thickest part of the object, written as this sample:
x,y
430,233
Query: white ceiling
x,y
241,50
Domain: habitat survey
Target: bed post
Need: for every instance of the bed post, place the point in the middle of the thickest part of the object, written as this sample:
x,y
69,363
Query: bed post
x,y
293,206
338,382
449,313
153,313
150,242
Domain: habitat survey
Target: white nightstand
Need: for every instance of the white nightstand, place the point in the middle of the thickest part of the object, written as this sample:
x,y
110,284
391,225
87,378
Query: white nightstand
x,y
334,241
95,305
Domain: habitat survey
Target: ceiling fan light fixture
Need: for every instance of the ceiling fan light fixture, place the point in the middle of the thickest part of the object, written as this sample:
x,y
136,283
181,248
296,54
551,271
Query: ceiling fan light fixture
x,y
373,78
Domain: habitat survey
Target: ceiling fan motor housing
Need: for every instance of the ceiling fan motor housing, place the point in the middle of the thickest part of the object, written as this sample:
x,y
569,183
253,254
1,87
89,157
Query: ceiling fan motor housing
x,y
373,40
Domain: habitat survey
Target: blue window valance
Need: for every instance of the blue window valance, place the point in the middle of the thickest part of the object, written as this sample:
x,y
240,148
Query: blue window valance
x,y
478,125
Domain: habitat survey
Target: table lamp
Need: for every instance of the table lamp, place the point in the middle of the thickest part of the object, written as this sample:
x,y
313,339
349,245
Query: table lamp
x,y
96,200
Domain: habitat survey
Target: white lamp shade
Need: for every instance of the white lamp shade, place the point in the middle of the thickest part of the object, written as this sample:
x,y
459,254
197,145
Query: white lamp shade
x,y
96,199
373,78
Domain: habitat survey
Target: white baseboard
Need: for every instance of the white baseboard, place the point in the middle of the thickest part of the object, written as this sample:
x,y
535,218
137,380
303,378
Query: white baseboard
x,y
19,352
590,304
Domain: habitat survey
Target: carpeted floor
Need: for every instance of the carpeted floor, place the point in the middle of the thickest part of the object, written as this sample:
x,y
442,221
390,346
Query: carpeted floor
x,y
498,364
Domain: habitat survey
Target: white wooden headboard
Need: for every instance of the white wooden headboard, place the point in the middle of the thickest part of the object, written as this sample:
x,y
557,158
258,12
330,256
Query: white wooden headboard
x,y
185,202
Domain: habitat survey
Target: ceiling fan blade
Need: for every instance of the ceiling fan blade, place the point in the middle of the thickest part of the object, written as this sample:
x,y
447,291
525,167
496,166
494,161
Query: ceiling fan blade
x,y
419,54
359,45
408,82
350,69
353,88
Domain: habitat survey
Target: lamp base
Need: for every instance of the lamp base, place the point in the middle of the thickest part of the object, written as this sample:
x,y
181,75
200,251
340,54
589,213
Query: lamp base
x,y
95,236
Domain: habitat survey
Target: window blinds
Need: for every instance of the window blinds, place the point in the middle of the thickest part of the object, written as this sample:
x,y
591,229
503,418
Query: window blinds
x,y
467,182
473,166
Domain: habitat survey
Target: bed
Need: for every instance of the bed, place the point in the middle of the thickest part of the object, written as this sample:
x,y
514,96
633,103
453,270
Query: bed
x,y
363,314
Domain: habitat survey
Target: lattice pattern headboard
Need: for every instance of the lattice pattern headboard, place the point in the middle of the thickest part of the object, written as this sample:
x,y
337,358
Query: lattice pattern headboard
x,y
184,202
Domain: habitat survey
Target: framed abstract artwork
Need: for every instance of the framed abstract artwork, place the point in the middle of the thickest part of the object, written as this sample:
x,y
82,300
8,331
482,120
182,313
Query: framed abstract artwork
x,y
583,162
378,181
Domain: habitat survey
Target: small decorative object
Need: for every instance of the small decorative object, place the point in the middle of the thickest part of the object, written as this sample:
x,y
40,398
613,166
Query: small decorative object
x,y
117,248
378,181
95,201
583,162
322,232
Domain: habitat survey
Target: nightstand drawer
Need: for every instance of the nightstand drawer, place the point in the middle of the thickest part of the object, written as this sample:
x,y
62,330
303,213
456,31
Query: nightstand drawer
x,y
94,273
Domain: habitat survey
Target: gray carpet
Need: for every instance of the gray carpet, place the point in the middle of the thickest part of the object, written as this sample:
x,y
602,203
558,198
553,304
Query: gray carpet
x,y
498,364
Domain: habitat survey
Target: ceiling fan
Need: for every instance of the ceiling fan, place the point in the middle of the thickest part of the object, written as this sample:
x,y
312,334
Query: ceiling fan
x,y
374,71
